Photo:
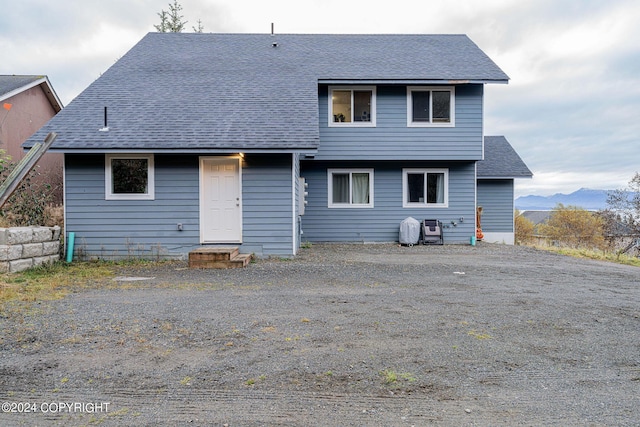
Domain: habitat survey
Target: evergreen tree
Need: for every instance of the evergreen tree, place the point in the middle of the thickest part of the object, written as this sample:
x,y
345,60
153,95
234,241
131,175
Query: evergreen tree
x,y
199,28
172,21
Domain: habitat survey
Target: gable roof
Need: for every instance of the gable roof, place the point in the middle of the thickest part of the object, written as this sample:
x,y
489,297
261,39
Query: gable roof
x,y
197,92
11,85
501,160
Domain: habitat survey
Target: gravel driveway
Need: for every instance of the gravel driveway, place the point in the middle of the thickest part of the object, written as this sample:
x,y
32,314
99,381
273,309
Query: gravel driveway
x,y
344,335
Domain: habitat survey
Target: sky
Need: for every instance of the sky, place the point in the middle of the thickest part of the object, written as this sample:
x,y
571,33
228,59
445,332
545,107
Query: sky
x,y
571,108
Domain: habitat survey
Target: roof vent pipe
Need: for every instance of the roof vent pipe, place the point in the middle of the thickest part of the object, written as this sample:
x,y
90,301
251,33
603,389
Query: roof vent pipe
x,y
275,43
105,128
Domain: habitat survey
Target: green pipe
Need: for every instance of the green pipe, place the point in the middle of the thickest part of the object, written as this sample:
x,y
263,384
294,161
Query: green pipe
x,y
70,242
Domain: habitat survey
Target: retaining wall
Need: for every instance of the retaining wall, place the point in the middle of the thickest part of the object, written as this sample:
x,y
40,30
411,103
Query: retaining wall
x,y
25,247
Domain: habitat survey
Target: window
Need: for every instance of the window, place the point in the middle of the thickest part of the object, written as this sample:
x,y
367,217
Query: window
x,y
129,177
351,188
425,188
430,106
352,106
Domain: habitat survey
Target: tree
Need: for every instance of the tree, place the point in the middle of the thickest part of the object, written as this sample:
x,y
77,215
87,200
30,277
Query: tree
x,y
575,227
626,204
525,229
199,28
171,21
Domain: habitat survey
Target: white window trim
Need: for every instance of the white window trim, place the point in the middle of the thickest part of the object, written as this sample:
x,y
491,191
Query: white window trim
x,y
349,205
405,185
369,124
411,123
149,195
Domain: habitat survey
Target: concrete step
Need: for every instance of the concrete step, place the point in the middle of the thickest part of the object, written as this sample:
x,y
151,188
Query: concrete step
x,y
218,257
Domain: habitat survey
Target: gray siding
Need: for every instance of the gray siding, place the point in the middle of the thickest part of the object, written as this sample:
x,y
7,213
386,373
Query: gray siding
x,y
299,198
381,223
116,228
120,228
391,139
496,198
268,192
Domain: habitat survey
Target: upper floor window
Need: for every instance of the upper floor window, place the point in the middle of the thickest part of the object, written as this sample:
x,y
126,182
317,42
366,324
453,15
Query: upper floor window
x,y
425,188
430,106
352,106
129,177
350,188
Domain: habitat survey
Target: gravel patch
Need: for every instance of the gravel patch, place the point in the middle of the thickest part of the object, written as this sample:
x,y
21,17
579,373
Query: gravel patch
x,y
343,335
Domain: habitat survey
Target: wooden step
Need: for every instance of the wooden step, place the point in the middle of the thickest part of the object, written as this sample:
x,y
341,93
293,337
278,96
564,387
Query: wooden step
x,y
214,253
240,261
218,257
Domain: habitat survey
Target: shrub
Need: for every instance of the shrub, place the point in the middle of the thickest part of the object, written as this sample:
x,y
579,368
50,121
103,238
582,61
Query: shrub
x,y
524,229
31,203
575,227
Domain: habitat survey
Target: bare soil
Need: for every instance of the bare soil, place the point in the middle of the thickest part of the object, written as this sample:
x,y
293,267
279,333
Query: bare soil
x,y
343,335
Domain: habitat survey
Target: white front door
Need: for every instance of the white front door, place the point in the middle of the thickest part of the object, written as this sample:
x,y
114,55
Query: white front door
x,y
220,200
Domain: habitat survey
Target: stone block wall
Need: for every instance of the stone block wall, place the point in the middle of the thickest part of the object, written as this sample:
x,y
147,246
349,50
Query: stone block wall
x,y
25,247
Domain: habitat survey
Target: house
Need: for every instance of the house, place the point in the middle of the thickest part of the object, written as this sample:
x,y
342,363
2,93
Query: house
x,y
26,104
496,174
268,141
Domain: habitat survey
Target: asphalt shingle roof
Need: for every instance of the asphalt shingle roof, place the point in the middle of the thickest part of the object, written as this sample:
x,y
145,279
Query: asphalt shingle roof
x,y
501,160
193,91
9,83
537,217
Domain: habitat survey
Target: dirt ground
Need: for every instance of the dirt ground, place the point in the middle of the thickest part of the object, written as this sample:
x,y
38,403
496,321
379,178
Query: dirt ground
x,y
344,335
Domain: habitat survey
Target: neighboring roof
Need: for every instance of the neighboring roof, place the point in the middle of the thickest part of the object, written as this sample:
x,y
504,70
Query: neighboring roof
x,y
11,85
537,217
192,92
501,161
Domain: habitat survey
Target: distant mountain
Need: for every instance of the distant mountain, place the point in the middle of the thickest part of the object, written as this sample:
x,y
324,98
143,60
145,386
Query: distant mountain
x,y
584,198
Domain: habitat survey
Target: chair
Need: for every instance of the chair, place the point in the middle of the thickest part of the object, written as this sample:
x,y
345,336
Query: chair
x,y
432,232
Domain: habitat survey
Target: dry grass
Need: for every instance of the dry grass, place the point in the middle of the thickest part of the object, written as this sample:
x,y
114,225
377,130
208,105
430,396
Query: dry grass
x,y
52,281
593,254
52,215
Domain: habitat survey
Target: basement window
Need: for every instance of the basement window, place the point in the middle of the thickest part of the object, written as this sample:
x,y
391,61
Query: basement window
x,y
129,177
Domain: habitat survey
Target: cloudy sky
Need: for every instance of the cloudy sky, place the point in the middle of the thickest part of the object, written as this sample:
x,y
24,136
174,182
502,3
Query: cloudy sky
x,y
571,109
